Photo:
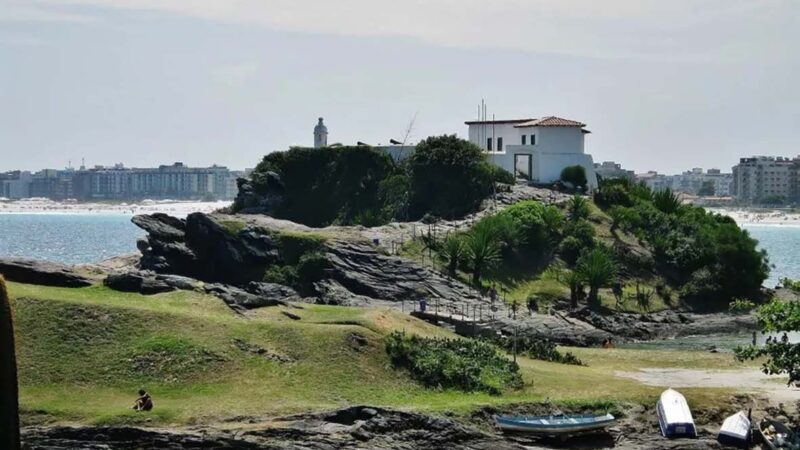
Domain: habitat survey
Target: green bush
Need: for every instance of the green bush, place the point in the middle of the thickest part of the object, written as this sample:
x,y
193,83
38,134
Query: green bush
x,y
536,225
741,306
501,175
574,175
285,275
578,208
450,177
320,186
464,364
311,268
571,249
293,245
537,348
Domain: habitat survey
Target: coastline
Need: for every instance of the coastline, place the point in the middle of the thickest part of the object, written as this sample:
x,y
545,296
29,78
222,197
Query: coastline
x,y
177,208
745,217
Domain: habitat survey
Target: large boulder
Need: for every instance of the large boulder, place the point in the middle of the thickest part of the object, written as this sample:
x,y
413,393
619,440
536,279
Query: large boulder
x,y
42,272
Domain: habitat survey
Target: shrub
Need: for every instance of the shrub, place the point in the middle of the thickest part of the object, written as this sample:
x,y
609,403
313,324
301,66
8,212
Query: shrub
x,y
571,249
741,306
501,175
285,275
463,364
666,201
577,208
537,348
536,225
612,194
311,268
574,175
450,177
294,245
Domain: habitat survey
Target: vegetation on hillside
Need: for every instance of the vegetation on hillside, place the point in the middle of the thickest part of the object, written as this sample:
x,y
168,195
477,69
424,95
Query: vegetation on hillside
x,y
9,393
465,364
444,177
708,255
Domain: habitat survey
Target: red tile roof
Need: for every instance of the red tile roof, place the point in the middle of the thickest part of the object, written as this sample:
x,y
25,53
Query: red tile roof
x,y
551,121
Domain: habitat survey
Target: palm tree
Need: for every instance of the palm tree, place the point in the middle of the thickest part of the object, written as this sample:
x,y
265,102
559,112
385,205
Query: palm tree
x,y
453,252
575,282
577,208
597,269
9,391
483,249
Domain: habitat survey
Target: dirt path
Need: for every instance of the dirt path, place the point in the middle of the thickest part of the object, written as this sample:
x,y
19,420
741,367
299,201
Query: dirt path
x,y
747,380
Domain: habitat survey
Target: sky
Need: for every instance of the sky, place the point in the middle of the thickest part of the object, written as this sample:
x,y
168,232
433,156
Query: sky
x,y
662,85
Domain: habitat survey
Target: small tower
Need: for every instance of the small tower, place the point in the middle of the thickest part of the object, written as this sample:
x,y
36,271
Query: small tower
x,y
320,135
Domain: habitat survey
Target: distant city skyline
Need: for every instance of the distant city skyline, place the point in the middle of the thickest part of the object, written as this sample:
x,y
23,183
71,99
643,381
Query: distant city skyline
x,y
663,86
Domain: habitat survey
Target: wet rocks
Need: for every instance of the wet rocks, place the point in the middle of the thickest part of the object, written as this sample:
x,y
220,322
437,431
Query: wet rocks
x,y
42,272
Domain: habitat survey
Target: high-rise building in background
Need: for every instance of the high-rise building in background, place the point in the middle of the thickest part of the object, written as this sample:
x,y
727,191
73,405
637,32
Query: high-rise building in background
x,y
767,180
176,181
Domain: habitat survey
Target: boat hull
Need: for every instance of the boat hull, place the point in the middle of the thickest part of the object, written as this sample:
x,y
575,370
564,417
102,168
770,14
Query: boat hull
x,y
674,417
554,426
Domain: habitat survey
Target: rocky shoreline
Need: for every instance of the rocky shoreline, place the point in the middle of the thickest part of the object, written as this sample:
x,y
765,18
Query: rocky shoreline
x,y
365,427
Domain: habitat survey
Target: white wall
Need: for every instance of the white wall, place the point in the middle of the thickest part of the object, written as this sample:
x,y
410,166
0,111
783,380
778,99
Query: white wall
x,y
510,135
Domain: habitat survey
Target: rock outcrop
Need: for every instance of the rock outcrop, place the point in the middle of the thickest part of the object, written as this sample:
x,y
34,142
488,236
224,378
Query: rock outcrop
x,y
9,400
350,428
42,272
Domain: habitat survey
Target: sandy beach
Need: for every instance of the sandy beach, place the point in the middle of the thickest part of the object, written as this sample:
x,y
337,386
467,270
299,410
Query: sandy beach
x,y
745,217
45,206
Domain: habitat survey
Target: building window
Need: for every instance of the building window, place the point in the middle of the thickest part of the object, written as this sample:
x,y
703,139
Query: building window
x,y
533,139
499,144
489,144
523,139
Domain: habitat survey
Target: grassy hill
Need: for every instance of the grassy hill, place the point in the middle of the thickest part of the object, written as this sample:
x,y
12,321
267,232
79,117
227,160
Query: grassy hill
x,y
83,354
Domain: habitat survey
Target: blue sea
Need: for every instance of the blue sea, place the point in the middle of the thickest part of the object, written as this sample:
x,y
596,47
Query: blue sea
x,y
67,238
85,238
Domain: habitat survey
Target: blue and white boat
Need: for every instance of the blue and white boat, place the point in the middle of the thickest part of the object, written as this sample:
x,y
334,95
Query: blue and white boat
x,y
735,431
555,425
674,415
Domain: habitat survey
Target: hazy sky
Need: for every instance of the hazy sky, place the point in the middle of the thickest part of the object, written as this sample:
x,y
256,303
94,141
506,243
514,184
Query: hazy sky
x,y
664,85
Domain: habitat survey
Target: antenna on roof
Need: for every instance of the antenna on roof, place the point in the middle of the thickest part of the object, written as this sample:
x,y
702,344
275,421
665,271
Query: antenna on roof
x,y
409,129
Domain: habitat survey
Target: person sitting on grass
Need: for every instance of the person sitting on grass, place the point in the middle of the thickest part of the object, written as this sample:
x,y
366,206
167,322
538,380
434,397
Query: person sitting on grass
x,y
144,402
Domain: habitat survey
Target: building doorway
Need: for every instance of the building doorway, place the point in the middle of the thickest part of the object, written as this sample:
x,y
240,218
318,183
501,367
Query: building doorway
x,y
523,165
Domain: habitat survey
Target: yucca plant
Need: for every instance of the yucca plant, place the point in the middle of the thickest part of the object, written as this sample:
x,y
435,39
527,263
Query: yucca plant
x,y
597,269
666,201
453,252
9,391
483,249
577,208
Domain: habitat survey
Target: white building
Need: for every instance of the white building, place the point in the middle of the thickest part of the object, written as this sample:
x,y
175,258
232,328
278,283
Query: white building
x,y
320,135
759,178
536,149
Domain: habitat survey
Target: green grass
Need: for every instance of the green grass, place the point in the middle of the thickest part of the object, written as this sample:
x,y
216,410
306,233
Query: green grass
x,y
83,354
233,227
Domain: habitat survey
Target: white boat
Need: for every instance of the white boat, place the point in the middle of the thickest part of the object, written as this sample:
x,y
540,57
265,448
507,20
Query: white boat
x,y
735,431
674,415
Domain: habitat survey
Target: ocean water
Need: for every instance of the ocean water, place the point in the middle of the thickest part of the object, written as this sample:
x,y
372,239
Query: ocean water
x,y
782,244
67,238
